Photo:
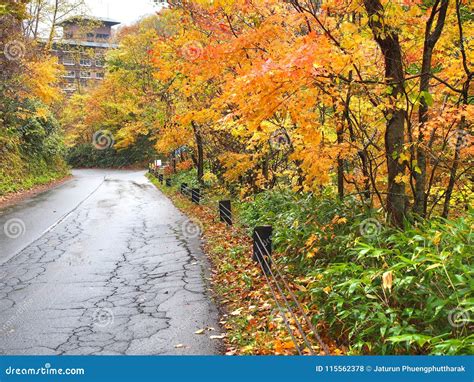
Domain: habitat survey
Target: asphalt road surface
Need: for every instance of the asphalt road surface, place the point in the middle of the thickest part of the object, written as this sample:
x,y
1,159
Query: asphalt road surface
x,y
103,264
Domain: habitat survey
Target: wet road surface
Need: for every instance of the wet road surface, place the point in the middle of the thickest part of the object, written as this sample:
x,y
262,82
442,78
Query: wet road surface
x,y
104,264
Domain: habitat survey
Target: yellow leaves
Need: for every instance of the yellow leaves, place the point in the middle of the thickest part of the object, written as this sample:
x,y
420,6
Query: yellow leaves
x,y
281,346
310,254
402,178
403,157
236,165
42,79
437,238
301,288
42,112
387,280
171,139
209,177
327,289
312,239
339,220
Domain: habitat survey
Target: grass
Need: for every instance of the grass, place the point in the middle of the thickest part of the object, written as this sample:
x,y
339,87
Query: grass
x,y
15,180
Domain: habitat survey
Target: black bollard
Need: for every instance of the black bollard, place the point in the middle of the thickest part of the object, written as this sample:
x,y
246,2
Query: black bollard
x,y
225,211
184,188
168,182
262,246
160,178
196,195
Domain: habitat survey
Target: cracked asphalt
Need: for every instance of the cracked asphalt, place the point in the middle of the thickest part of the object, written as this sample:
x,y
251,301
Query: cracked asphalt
x,y
106,265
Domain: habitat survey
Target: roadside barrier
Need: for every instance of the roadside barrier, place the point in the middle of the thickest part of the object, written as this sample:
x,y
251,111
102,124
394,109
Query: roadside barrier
x,y
290,309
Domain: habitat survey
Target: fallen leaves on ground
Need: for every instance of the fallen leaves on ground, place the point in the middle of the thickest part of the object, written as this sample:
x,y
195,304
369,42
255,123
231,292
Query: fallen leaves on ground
x,y
217,337
253,323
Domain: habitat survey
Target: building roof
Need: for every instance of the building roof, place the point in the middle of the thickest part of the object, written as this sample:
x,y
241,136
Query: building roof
x,y
76,19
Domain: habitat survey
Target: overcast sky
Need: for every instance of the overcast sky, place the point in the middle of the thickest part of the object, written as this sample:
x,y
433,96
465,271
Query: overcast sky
x,y
125,11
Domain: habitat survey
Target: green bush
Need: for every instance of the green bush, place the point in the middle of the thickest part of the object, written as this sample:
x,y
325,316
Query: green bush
x,y
429,307
296,218
189,177
344,250
31,147
88,156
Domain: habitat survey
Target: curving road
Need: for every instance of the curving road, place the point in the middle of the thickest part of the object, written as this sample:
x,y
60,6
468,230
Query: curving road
x,y
103,264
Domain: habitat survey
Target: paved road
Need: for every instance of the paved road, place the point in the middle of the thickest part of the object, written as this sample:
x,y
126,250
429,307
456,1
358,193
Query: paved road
x,y
103,264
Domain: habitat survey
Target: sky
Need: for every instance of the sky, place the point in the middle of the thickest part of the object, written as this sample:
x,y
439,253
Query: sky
x,y
125,11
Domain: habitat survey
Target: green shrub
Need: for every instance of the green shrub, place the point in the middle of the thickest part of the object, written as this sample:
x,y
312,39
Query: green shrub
x,y
428,309
31,147
87,156
297,219
344,250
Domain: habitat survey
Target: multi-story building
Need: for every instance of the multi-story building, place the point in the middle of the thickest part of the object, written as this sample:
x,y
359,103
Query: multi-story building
x,y
82,50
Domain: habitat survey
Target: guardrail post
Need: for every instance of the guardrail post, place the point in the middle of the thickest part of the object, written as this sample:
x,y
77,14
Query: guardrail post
x,y
160,178
168,182
184,188
225,211
262,246
196,195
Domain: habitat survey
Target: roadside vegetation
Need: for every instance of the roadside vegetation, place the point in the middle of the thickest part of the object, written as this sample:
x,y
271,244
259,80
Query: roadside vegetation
x,y
31,142
368,287
345,126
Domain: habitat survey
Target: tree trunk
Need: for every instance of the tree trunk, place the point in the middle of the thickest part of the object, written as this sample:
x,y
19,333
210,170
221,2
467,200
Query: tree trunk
x,y
53,25
340,164
387,38
463,122
431,38
457,155
200,152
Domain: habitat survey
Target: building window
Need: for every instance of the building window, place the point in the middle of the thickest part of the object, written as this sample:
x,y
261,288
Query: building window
x,y
90,36
68,61
102,36
70,74
99,75
68,35
100,63
86,62
85,74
